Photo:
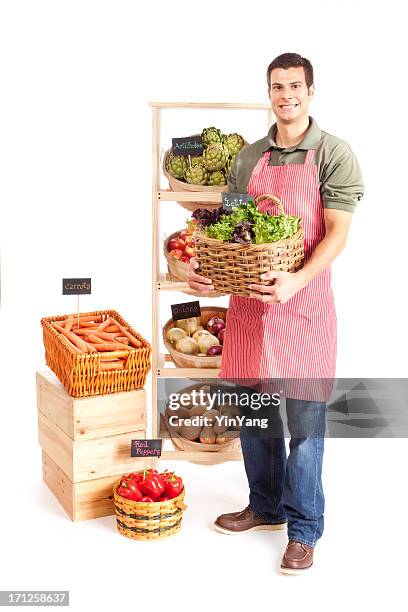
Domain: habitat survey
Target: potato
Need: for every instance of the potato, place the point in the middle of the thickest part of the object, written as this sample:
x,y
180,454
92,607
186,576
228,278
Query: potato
x,y
223,426
227,436
198,411
210,416
176,428
207,435
190,432
181,412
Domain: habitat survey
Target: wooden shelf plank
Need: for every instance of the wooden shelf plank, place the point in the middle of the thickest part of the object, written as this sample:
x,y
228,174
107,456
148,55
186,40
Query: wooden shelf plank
x,y
228,105
164,372
166,195
202,456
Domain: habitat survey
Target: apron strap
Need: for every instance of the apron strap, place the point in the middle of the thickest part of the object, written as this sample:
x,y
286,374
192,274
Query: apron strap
x,y
309,157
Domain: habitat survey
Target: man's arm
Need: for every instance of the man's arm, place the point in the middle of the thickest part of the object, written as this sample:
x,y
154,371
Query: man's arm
x,y
337,223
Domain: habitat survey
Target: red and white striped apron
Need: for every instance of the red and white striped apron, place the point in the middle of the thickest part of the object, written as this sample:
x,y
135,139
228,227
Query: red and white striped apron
x,y
296,339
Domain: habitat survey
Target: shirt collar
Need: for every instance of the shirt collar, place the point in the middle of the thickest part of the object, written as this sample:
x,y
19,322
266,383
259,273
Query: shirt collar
x,y
310,140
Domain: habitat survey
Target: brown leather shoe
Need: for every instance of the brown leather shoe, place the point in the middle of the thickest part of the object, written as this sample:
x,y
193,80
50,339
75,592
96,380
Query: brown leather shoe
x,y
298,558
244,521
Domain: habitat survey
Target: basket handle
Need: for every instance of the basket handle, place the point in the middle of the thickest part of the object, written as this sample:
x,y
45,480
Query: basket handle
x,y
274,199
180,504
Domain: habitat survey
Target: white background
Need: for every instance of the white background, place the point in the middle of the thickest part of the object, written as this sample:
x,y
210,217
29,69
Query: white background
x,y
75,143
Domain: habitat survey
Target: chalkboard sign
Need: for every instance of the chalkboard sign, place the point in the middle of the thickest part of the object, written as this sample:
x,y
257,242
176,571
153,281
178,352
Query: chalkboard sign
x,y
146,448
192,145
76,286
231,200
186,310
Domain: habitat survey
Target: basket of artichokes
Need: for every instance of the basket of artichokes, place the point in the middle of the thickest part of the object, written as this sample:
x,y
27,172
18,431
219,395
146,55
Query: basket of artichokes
x,y
206,172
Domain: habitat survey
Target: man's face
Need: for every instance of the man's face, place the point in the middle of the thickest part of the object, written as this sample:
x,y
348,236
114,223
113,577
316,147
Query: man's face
x,y
289,94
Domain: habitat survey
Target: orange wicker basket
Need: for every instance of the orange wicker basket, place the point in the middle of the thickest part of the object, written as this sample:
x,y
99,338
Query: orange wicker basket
x,y
232,266
81,374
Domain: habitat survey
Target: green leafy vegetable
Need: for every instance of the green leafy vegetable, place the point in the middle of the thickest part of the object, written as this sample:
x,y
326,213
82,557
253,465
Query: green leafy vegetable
x,y
264,227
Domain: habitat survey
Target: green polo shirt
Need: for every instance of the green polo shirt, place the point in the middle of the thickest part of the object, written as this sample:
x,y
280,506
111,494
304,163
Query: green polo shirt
x,y
339,175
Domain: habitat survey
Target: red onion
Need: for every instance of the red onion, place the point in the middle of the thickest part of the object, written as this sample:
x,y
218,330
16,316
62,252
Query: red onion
x,y
214,350
215,325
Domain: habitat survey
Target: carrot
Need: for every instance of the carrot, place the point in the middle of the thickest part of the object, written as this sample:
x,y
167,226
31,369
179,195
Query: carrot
x,y
104,325
111,365
87,318
112,328
111,346
94,339
72,337
72,346
122,339
69,323
84,331
125,332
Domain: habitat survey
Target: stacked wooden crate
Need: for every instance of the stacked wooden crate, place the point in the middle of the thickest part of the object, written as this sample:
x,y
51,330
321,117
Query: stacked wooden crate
x,y
86,444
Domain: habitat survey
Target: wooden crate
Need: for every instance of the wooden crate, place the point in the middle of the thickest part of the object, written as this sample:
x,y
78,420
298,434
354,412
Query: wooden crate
x,y
90,417
86,444
82,500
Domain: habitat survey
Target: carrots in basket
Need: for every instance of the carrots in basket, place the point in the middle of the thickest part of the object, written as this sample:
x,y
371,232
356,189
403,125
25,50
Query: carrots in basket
x,y
92,334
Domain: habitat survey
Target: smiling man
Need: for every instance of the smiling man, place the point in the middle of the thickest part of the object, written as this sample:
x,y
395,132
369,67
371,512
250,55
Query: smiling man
x,y
292,320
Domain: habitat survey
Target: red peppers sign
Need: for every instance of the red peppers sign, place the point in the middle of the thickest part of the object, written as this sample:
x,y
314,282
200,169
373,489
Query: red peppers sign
x,y
146,448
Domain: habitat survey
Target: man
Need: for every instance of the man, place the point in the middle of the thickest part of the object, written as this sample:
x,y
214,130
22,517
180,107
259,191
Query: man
x,y
292,319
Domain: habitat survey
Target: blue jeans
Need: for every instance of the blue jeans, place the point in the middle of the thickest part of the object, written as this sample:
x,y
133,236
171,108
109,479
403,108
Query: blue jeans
x,y
288,488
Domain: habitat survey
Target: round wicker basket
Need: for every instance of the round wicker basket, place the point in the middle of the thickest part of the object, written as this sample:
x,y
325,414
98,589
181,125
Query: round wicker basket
x,y
232,266
176,185
148,520
178,270
193,361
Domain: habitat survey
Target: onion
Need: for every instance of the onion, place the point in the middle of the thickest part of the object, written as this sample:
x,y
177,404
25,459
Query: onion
x,y
175,334
187,346
221,335
215,325
205,341
199,333
189,325
214,350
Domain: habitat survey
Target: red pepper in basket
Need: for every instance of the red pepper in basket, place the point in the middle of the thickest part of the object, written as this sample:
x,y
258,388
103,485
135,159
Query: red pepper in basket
x,y
152,485
146,499
173,485
130,490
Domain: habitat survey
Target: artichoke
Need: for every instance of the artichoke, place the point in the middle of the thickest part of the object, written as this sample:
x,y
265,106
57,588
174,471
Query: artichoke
x,y
176,166
211,135
197,159
229,165
215,157
217,178
196,175
233,143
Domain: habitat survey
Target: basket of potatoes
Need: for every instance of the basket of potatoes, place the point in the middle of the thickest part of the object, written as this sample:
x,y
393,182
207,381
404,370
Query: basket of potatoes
x,y
195,426
197,342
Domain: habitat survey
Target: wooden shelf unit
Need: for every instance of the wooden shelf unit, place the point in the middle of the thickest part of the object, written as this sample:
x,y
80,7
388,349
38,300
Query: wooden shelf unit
x,y
161,281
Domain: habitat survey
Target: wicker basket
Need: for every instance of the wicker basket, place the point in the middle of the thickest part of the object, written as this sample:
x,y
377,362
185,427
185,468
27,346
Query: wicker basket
x,y
232,266
81,374
178,270
192,361
148,520
177,185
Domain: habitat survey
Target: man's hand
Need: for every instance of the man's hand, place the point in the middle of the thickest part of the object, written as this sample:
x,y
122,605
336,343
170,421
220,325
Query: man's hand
x,y
285,286
198,283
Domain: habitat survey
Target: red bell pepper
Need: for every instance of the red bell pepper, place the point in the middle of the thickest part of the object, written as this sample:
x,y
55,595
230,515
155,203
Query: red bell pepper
x,y
152,485
146,499
130,490
164,498
173,485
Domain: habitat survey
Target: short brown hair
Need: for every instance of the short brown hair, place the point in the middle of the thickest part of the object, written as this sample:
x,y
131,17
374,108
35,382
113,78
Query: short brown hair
x,y
291,60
